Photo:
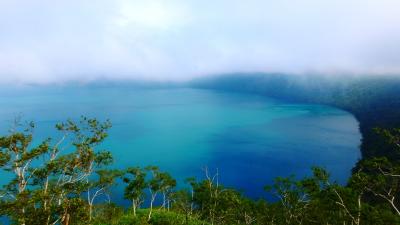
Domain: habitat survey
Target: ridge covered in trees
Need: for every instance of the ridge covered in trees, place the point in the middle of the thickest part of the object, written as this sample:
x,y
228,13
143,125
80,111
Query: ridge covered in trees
x,y
67,179
373,100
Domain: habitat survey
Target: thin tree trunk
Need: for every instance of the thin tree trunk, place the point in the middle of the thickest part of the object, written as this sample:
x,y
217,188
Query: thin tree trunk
x,y
67,220
359,210
90,212
151,206
134,207
164,200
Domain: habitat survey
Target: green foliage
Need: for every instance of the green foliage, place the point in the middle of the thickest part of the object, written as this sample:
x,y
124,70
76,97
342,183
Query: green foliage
x,y
107,214
172,218
136,184
49,180
54,185
160,217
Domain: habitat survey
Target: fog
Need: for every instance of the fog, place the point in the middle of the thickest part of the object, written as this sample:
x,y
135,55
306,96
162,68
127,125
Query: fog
x,y
46,41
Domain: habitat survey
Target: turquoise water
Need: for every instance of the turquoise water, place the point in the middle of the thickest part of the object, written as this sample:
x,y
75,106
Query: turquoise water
x,y
250,139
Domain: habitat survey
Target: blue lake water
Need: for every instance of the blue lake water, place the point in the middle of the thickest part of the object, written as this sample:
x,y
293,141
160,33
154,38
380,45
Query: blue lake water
x,y
250,139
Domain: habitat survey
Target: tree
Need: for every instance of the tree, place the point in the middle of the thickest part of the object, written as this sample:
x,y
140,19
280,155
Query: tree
x,y
135,179
292,197
47,185
183,203
101,186
159,182
382,179
330,197
17,157
214,202
167,186
381,175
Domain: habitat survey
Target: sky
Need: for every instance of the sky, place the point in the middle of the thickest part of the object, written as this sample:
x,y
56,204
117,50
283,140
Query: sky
x,y
47,41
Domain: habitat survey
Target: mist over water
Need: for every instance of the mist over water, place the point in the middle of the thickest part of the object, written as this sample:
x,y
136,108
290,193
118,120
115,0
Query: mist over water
x,y
250,139
82,41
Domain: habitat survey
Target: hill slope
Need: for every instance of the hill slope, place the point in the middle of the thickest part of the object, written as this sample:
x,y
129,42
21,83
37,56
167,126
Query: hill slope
x,y
373,100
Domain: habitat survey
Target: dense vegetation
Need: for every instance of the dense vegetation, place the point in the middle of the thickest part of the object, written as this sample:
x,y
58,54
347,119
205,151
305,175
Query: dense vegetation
x,y
373,100
67,180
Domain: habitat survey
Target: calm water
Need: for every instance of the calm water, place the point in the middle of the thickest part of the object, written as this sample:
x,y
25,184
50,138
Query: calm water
x,y
250,139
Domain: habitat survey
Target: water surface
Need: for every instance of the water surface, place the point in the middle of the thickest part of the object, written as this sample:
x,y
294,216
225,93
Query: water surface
x,y
250,139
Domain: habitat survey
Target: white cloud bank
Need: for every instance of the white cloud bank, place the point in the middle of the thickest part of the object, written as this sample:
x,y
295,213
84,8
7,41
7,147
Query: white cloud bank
x,y
46,41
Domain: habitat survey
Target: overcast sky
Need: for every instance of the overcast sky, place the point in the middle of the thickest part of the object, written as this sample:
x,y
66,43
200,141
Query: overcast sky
x,y
46,41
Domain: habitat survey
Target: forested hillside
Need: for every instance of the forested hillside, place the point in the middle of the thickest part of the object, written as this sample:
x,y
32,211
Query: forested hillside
x,y
373,100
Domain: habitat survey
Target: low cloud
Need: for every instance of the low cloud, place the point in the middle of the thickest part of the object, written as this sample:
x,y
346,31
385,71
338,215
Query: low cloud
x,y
55,41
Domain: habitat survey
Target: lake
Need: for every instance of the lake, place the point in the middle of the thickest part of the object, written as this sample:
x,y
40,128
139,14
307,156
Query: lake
x,y
250,139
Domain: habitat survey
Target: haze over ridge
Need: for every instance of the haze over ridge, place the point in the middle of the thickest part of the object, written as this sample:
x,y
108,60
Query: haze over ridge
x,y
46,41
